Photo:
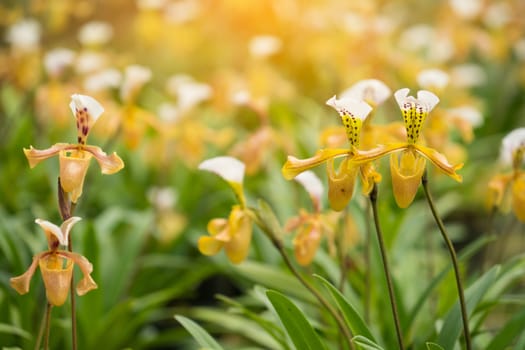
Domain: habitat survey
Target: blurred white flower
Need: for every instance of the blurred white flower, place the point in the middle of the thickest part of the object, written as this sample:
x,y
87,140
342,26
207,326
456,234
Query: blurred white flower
x,y
95,33
433,79
169,112
497,15
55,61
89,62
163,198
466,9
135,77
468,75
24,35
311,184
372,91
467,113
511,143
150,4
264,45
519,49
188,92
105,79
435,46
240,97
182,11
228,168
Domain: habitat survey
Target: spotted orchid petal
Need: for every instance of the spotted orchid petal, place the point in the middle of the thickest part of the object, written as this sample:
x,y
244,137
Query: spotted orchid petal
x,y
86,110
353,112
414,110
108,164
295,166
21,283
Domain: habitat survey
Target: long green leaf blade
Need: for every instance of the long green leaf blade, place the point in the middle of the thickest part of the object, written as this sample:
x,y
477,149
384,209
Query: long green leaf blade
x,y
366,343
199,334
297,326
351,316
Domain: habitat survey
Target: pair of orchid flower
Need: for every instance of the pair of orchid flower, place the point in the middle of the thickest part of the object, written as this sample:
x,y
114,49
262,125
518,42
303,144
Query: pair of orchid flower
x,y
406,169
56,265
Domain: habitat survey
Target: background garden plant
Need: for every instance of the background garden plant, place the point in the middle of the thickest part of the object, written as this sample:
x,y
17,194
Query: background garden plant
x,y
183,82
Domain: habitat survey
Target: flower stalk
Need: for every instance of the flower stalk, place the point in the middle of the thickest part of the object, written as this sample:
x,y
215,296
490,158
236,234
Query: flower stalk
x,y
395,314
454,259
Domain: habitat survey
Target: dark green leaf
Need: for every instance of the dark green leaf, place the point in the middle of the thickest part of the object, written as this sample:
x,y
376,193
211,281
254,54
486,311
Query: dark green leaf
x,y
199,334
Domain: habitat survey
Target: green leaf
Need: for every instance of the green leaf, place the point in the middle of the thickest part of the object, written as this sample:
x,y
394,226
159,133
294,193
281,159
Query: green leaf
x,y
433,346
297,326
351,316
513,328
199,334
9,329
273,278
366,343
453,326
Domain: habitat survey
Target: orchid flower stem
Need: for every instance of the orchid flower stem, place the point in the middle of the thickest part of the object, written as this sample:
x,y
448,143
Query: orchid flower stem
x,y
44,326
454,259
67,208
49,307
368,271
373,201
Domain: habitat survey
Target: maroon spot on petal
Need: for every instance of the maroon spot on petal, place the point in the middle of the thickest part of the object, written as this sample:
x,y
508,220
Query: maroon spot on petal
x,y
79,139
85,130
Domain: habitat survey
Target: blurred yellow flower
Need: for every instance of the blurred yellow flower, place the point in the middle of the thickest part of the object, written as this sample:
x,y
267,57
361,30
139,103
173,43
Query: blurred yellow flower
x,y
512,154
235,233
74,158
56,265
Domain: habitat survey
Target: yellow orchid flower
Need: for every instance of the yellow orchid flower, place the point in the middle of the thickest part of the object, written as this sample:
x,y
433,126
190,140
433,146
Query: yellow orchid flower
x,y
408,167
56,265
74,158
235,233
512,154
341,182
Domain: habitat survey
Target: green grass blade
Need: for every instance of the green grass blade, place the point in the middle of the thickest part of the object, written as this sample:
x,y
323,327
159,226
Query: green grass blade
x,y
297,326
452,326
199,334
366,343
511,330
433,346
351,316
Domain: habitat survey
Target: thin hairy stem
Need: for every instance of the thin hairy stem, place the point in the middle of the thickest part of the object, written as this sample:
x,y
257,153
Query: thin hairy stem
x,y
67,208
373,201
454,259
45,328
342,253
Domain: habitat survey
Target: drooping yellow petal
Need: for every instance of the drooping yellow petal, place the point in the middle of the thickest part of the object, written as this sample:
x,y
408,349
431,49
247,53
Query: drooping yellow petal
x,y
209,245
295,166
406,176
108,164
518,197
21,283
57,278
306,243
216,226
369,177
497,186
341,183
87,283
35,156
241,235
440,161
